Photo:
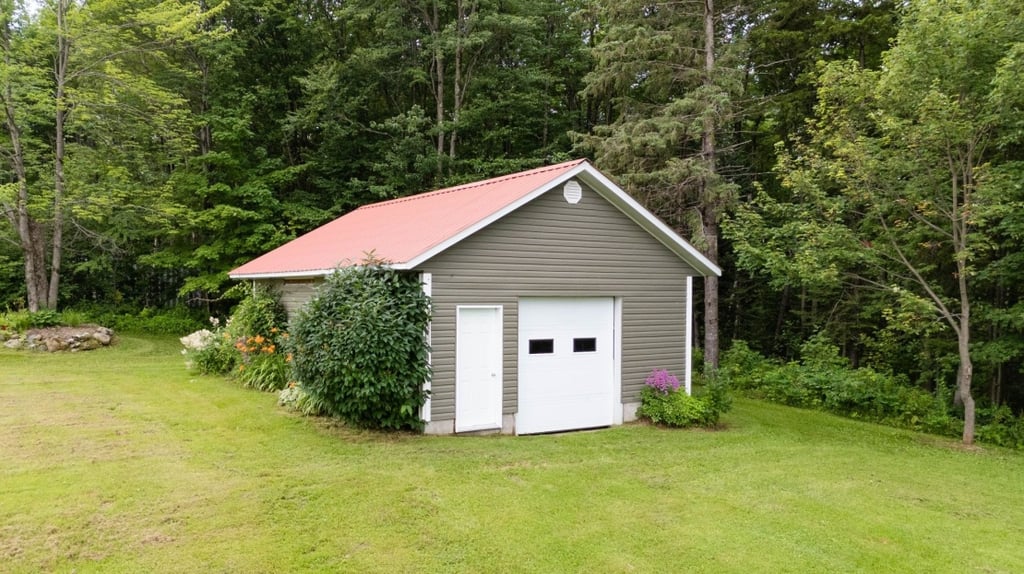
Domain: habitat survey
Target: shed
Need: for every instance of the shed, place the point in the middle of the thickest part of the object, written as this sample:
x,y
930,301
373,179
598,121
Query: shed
x,y
554,294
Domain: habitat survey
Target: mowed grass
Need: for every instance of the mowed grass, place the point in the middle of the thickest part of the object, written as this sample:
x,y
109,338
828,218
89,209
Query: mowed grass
x,y
119,460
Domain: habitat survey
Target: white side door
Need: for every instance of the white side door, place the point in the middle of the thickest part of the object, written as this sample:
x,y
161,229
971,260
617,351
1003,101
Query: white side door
x,y
478,376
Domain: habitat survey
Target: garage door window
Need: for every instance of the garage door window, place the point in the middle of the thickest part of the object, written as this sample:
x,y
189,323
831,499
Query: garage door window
x,y
588,345
542,346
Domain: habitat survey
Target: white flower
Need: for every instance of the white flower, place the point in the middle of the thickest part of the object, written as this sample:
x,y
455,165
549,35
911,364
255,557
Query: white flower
x,y
197,341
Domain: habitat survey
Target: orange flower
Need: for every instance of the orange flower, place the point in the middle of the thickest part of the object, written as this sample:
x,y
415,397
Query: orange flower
x,y
258,339
288,358
291,384
269,349
241,368
273,329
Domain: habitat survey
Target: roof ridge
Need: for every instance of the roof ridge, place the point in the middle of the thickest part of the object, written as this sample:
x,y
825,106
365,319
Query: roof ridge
x,y
471,185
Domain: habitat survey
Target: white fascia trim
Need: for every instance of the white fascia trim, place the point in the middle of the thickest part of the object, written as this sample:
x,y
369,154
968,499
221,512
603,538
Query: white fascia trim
x,y
282,275
440,247
655,226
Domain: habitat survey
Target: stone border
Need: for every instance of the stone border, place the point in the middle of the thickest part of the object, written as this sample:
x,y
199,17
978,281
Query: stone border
x,y
55,339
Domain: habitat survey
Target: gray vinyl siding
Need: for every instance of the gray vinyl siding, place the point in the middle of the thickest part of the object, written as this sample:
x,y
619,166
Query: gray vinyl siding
x,y
294,294
552,248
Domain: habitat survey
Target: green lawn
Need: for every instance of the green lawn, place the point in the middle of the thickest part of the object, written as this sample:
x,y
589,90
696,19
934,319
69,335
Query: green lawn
x,y
119,460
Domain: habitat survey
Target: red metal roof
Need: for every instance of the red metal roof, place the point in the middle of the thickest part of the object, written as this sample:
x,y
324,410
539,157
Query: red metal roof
x,y
400,230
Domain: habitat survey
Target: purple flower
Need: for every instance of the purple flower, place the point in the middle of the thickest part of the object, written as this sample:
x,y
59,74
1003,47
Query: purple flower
x,y
662,381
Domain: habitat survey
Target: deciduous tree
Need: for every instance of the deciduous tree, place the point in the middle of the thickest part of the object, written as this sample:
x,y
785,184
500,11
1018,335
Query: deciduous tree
x,y
899,177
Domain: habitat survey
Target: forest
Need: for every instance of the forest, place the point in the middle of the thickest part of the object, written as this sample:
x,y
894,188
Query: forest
x,y
855,167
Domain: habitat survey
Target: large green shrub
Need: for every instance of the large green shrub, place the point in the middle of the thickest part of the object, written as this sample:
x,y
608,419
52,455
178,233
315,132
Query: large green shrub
x,y
360,348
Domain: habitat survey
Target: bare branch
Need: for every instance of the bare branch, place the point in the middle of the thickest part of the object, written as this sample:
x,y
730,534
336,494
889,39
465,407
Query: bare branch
x,y
946,313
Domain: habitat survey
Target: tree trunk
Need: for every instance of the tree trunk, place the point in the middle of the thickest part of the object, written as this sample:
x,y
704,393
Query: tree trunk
x,y
964,375
438,84
710,209
711,323
457,81
463,70
966,371
60,74
31,235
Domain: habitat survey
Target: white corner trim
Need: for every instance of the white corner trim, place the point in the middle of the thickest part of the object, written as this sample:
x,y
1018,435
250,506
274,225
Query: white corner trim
x,y
427,282
688,369
617,403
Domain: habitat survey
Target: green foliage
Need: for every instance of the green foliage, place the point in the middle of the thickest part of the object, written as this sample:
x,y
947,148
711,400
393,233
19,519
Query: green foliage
x,y
743,367
824,381
24,320
360,349
263,365
900,186
74,318
717,396
215,356
89,143
126,318
264,371
217,359
293,396
998,425
674,408
663,402
44,318
173,321
259,313
257,331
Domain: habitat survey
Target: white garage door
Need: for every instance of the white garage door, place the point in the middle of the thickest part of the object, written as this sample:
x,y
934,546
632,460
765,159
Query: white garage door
x,y
565,363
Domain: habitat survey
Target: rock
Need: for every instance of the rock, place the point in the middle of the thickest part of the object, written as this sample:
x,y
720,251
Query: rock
x,y
14,343
102,336
54,345
91,343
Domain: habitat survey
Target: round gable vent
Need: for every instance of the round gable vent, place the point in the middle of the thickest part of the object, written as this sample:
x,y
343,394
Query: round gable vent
x,y
572,192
